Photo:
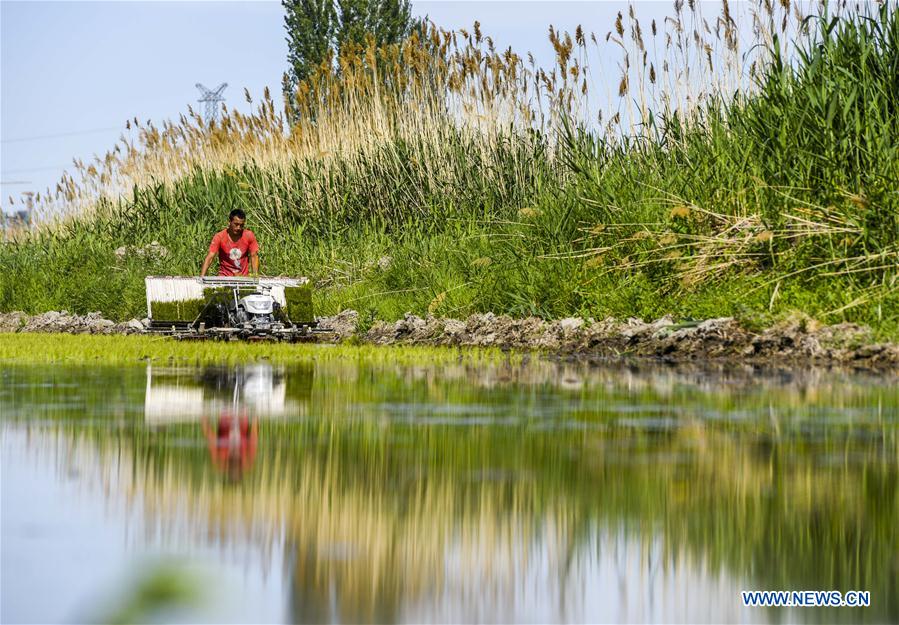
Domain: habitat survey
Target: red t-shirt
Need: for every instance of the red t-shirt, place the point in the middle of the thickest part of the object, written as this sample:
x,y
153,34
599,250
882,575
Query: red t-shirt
x,y
234,257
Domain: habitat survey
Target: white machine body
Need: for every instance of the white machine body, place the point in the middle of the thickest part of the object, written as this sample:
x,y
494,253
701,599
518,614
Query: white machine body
x,y
258,304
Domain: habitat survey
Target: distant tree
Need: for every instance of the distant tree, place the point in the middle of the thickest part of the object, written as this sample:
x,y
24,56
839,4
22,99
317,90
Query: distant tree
x,y
310,26
389,21
319,29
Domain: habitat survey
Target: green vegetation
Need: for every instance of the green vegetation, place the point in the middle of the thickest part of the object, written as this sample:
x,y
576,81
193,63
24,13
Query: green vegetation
x,y
162,589
99,349
299,303
443,176
184,310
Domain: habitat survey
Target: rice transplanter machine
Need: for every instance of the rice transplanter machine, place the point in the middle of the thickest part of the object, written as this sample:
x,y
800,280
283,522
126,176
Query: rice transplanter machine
x,y
226,307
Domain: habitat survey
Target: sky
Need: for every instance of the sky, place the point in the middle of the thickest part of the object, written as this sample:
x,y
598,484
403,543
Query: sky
x,y
71,73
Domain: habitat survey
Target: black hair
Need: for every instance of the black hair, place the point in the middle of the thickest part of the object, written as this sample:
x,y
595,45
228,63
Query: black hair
x,y
237,212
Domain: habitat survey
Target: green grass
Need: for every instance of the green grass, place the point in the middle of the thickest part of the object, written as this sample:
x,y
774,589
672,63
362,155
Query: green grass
x,y
779,200
98,349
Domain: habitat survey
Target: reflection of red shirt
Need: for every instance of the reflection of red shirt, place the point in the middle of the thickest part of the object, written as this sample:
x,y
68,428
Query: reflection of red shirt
x,y
232,441
234,256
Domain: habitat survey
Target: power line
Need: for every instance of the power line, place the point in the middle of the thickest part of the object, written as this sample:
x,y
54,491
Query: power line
x,y
27,169
60,134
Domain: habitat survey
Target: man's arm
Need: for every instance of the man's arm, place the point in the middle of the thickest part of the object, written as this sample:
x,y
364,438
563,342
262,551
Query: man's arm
x,y
208,261
213,252
253,249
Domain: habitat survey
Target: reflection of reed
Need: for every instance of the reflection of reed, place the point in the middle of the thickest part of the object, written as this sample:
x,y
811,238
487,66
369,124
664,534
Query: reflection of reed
x,y
381,507
725,394
379,548
714,384
368,534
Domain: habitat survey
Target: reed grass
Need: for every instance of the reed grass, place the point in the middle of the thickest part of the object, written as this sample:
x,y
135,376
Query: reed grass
x,y
748,167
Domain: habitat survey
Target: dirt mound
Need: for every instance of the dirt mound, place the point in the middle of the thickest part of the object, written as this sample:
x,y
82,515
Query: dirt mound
x,y
343,324
796,341
63,321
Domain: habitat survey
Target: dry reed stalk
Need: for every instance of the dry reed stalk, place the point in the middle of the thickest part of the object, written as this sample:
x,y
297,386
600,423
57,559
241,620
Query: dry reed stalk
x,y
447,82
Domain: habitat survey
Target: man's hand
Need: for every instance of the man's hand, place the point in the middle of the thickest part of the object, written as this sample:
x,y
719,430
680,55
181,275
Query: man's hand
x,y
254,264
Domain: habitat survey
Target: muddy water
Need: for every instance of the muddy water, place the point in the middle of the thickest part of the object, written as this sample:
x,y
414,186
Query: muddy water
x,y
539,493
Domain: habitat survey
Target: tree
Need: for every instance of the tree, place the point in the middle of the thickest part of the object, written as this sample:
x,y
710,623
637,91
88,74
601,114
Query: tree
x,y
317,30
310,26
389,21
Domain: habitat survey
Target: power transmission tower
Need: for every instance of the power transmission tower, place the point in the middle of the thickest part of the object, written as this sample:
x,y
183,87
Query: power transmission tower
x,y
211,98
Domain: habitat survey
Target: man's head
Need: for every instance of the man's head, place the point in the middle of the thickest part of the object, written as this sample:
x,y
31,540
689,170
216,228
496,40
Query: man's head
x,y
236,220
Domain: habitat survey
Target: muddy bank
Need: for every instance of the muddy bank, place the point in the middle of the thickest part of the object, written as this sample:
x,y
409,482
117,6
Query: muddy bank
x,y
63,321
795,342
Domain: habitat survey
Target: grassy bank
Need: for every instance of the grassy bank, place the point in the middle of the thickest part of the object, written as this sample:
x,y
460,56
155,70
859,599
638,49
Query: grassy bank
x,y
446,177
109,350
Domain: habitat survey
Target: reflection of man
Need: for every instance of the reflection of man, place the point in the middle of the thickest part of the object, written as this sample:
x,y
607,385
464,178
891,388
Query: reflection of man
x,y
232,443
235,246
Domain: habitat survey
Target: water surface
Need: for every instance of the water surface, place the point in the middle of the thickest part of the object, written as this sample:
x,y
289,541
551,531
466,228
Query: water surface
x,y
495,493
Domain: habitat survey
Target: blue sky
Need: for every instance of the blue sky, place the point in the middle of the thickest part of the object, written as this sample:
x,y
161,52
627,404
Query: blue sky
x,y
71,73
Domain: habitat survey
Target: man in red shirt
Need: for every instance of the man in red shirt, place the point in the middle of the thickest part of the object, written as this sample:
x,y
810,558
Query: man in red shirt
x,y
236,248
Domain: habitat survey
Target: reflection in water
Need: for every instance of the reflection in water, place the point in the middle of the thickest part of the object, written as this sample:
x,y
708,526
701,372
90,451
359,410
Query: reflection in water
x,y
540,493
232,442
235,397
176,395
